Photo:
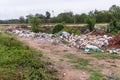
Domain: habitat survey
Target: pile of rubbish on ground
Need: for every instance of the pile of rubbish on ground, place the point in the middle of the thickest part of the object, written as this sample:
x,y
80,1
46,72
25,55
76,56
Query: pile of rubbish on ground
x,y
87,41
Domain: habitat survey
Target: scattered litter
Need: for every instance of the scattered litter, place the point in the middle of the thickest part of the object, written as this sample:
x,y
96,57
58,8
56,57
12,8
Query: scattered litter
x,y
112,50
91,47
86,41
64,34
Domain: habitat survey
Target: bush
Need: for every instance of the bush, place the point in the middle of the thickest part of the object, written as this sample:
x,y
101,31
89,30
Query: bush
x,y
58,28
34,21
114,26
113,32
91,22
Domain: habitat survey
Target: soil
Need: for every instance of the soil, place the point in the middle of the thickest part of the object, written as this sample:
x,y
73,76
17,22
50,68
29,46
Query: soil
x,y
56,53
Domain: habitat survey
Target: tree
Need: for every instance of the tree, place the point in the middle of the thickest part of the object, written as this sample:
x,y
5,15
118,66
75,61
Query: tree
x,y
91,22
66,17
114,26
115,11
103,16
77,18
34,21
41,16
22,19
83,18
28,18
48,15
114,8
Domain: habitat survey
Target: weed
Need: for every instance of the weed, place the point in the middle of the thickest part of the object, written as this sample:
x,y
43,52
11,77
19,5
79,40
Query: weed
x,y
80,63
96,76
20,62
105,55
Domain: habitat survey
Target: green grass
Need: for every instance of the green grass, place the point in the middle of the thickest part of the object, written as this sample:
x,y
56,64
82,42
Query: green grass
x,y
105,55
80,62
83,64
19,62
96,76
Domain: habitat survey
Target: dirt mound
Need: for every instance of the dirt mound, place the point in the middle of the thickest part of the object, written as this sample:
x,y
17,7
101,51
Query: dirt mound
x,y
115,41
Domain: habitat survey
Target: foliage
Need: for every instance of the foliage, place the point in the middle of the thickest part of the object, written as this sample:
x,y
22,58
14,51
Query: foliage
x,y
105,55
114,26
103,16
65,17
115,11
58,28
75,32
91,22
40,16
72,30
48,15
96,76
22,19
19,62
34,21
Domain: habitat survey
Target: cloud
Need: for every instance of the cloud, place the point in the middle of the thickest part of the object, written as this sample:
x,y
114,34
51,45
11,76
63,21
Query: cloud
x,y
16,8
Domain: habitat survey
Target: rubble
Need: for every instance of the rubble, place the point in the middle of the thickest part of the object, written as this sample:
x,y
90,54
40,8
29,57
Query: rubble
x,y
112,50
83,40
91,47
86,41
64,34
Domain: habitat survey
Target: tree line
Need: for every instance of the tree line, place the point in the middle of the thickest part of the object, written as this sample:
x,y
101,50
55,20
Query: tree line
x,y
104,16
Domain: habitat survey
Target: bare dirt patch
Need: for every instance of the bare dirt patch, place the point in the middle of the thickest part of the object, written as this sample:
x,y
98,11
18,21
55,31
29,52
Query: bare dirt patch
x,y
56,53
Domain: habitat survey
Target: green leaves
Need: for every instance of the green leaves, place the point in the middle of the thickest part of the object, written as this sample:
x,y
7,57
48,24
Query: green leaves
x,y
91,22
19,62
58,28
34,21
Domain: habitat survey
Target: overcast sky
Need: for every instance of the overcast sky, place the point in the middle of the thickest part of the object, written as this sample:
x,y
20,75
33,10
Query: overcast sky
x,y
10,9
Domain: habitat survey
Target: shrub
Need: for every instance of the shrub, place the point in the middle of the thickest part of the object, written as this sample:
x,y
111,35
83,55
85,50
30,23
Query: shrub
x,y
114,26
58,28
34,21
72,31
75,31
91,22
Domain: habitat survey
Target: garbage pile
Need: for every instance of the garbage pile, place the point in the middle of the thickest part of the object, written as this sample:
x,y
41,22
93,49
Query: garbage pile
x,y
82,41
87,41
23,32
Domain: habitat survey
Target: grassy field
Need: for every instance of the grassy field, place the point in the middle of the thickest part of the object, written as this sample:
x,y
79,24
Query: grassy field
x,y
19,62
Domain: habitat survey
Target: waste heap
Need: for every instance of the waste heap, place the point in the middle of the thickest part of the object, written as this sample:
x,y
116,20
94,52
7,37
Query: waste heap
x,y
24,32
81,41
86,41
